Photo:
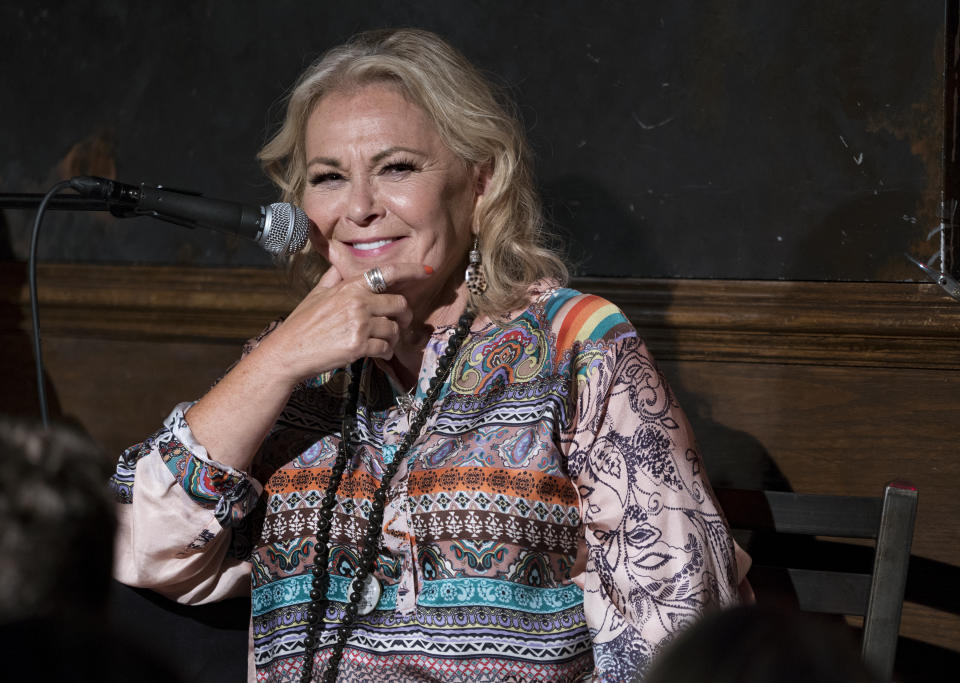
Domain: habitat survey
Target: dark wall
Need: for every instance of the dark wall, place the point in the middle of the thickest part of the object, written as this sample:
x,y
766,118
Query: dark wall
x,y
753,139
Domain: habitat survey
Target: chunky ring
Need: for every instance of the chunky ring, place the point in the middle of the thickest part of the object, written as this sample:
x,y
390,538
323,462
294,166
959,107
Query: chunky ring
x,y
375,281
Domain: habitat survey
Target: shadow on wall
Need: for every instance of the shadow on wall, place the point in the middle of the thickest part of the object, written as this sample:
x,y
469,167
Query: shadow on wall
x,y
733,458
600,236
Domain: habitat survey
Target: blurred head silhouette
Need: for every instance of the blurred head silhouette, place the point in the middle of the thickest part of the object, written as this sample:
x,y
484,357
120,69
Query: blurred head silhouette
x,y
753,644
56,523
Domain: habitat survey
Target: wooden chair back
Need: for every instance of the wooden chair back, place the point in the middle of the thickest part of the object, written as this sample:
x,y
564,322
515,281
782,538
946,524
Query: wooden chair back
x,y
788,570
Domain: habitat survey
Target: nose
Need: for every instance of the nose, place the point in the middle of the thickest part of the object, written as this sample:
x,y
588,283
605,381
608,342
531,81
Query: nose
x,y
363,207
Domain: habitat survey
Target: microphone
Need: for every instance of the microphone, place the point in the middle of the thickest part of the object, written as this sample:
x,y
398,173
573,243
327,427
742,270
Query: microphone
x,y
280,228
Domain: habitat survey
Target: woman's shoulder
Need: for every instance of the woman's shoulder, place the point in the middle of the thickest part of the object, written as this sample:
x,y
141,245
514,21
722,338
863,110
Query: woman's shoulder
x,y
578,318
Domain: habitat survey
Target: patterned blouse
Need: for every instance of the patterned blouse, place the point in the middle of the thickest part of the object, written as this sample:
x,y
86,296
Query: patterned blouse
x,y
552,523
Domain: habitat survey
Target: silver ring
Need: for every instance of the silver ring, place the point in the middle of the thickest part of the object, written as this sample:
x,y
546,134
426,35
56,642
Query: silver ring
x,y
375,281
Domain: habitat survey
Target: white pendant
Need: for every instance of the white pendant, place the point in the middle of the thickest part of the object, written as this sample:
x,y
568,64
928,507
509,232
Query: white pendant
x,y
370,593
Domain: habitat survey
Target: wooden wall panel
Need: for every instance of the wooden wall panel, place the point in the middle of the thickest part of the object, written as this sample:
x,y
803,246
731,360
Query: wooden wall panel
x,y
819,387
121,390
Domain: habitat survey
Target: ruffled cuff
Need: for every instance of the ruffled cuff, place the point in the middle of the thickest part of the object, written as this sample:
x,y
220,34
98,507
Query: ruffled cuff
x,y
228,492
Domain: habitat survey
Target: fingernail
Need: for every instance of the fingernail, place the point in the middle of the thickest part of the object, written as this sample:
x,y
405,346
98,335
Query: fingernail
x,y
428,270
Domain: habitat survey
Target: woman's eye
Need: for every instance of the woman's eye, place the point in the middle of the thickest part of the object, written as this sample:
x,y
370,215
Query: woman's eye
x,y
398,167
321,178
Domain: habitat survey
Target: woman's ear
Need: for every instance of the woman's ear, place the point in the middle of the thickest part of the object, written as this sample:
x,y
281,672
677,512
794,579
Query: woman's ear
x,y
482,178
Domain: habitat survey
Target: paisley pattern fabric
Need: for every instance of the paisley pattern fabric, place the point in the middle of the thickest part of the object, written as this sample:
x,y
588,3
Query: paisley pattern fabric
x,y
553,521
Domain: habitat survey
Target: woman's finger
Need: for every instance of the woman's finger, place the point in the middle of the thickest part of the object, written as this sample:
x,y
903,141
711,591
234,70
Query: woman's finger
x,y
385,329
378,348
330,278
393,306
396,274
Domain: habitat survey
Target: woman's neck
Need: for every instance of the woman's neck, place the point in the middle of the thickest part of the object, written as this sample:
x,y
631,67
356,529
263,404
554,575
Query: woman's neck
x,y
427,318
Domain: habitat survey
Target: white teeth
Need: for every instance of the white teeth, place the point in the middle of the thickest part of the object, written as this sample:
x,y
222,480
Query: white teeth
x,y
366,246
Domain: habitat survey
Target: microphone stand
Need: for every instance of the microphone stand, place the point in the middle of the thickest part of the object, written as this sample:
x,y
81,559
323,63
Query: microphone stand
x,y
27,200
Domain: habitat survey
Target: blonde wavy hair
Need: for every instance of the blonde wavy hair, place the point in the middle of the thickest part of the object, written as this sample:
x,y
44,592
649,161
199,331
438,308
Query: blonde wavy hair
x,y
474,121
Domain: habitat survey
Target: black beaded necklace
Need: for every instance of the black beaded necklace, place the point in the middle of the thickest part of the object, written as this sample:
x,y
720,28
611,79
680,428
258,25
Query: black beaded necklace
x,y
371,543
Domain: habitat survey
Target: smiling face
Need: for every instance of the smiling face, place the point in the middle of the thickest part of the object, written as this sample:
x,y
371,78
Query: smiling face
x,y
382,187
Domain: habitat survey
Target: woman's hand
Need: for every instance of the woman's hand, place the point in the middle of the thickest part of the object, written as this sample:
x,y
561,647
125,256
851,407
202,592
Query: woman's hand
x,y
340,321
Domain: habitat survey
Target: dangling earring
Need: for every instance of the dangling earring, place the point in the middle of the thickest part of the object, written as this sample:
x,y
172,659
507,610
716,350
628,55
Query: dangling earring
x,y
476,280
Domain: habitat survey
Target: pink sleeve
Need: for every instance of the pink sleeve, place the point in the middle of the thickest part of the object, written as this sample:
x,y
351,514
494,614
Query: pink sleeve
x,y
657,551
182,518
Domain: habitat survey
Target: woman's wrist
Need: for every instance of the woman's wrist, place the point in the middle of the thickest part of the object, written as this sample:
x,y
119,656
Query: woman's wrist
x,y
269,369
234,417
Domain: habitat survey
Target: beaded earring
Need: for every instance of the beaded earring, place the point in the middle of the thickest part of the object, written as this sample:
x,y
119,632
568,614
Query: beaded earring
x,y
475,277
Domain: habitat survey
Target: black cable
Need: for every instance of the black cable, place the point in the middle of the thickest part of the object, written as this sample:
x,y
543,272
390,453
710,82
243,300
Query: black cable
x,y
34,304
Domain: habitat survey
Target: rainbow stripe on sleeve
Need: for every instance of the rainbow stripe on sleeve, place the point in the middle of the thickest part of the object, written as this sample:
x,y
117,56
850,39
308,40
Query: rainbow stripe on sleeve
x,y
579,318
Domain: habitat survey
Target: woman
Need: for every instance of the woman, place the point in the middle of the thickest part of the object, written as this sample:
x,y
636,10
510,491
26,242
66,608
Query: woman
x,y
429,476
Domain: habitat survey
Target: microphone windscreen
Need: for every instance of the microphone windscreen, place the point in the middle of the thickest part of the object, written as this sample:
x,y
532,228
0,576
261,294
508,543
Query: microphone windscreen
x,y
287,229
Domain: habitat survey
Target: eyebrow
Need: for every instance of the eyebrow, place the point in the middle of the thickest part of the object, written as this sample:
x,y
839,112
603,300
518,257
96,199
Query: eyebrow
x,y
326,161
378,157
